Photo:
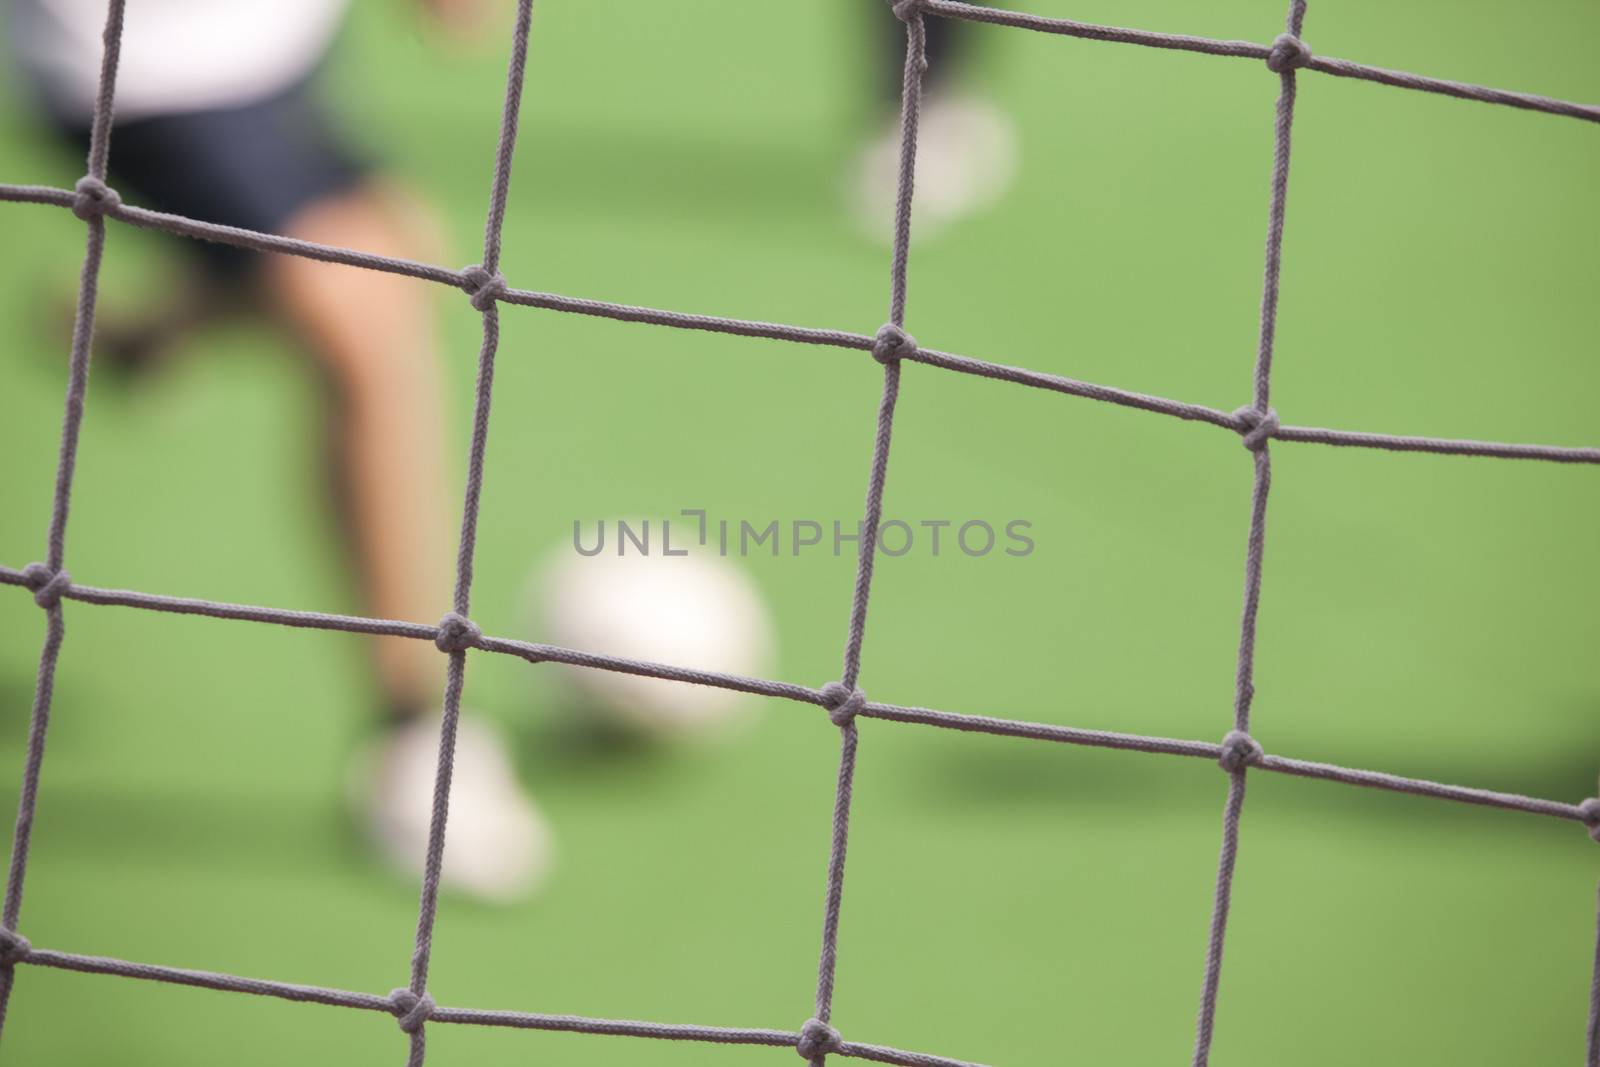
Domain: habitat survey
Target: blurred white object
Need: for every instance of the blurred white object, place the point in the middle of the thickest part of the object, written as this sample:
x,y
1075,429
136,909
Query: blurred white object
x,y
697,611
497,845
966,161
177,55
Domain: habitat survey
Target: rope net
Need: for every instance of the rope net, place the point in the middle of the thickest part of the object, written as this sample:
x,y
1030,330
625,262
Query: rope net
x,y
455,635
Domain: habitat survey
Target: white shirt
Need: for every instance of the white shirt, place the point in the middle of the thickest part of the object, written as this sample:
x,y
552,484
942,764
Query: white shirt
x,y
177,55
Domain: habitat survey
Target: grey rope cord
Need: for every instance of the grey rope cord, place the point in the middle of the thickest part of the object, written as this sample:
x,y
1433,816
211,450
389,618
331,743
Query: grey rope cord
x,y
1092,32
89,202
1259,420
807,335
1341,68
457,633
459,279
1436,445
1593,1048
344,998
1257,424
540,653
1344,68
36,194
146,219
843,699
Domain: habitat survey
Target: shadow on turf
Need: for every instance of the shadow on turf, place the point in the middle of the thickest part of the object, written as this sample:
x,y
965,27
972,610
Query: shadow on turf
x,y
573,741
1006,774
177,828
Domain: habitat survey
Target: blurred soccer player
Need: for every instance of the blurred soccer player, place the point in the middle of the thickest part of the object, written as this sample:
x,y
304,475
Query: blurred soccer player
x,y
966,145
217,119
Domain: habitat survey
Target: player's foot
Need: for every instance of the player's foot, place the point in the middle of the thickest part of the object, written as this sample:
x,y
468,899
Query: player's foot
x,y
133,340
966,160
497,845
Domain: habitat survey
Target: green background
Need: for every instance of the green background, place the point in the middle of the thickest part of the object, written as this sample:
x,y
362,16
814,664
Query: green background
x,y
1010,902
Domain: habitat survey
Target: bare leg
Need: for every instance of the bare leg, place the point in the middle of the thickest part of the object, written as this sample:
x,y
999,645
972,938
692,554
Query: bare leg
x,y
373,336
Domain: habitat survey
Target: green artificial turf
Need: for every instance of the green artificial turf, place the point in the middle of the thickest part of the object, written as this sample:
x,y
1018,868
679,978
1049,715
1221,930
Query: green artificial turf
x,y
1010,902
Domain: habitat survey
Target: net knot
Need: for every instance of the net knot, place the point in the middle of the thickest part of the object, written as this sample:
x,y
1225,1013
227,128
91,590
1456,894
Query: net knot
x,y
1255,427
483,286
14,948
1288,53
457,633
843,704
94,197
1239,750
410,1010
817,1038
892,344
1589,812
47,585
905,10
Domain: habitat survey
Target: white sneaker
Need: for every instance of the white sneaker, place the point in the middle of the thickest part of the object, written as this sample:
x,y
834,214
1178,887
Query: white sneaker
x,y
497,845
966,161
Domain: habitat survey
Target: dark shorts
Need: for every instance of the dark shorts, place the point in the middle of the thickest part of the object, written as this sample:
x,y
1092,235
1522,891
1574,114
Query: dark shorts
x,y
254,165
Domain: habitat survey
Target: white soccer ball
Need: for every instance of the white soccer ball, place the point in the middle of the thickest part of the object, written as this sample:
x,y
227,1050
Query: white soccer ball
x,y
697,610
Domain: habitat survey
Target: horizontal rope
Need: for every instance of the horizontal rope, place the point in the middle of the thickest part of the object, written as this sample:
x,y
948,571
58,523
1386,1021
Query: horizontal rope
x,y
1339,68
316,620
1344,68
1072,387
576,1024
1090,31
1039,731
264,242
227,983
538,653
217,233
37,194
1443,446
948,720
1419,787
681,320
579,1024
